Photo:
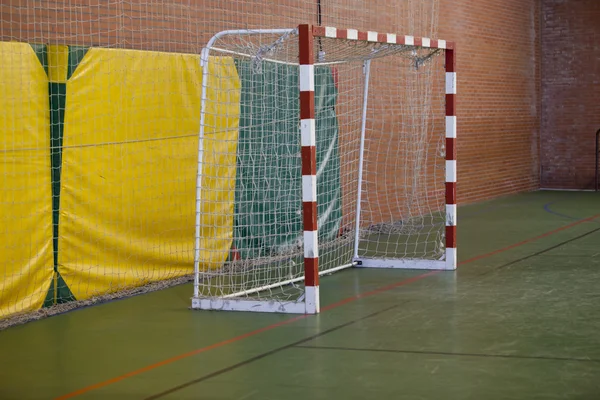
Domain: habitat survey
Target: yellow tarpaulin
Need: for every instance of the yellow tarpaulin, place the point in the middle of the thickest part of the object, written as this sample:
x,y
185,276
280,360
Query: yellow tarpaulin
x,y
26,267
128,183
58,63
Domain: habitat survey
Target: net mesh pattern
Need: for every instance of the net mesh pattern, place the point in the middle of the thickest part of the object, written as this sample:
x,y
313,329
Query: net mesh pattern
x,y
402,203
99,130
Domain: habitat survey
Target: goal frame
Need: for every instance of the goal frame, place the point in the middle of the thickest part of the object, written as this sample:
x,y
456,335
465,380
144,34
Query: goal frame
x,y
310,301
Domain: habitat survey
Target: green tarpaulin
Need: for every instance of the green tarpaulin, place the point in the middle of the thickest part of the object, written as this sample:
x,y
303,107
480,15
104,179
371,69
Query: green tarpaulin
x,y
269,181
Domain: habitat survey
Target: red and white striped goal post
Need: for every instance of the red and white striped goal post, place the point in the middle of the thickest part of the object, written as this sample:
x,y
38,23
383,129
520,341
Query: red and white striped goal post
x,y
309,163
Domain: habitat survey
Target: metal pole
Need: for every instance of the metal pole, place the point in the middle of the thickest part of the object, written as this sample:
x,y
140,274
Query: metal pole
x,y
361,156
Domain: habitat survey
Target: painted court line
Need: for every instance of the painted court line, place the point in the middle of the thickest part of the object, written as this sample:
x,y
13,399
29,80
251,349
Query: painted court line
x,y
266,354
551,211
539,253
176,358
533,239
446,353
383,289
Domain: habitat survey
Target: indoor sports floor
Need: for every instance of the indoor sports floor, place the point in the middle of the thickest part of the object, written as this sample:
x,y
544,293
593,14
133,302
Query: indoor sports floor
x,y
520,319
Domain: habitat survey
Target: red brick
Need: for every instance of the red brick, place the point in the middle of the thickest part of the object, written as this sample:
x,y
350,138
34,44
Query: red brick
x,y
570,92
499,67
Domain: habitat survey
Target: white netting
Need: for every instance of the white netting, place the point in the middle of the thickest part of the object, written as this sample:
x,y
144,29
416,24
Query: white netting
x,y
186,26
403,206
99,123
403,179
267,220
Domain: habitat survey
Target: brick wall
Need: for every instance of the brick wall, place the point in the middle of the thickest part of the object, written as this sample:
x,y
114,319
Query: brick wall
x,y
498,58
498,94
570,92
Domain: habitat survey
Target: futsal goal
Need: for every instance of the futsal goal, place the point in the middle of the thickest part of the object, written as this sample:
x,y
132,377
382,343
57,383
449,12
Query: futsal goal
x,y
345,156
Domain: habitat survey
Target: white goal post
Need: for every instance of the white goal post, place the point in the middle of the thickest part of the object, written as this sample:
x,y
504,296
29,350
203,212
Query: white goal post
x,y
339,149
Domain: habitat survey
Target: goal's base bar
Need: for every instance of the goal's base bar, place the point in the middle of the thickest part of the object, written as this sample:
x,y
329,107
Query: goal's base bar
x,y
308,303
402,263
288,307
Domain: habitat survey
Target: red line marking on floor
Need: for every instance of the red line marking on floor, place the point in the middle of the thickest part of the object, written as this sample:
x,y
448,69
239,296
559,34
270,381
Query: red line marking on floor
x,y
176,358
299,317
380,290
533,239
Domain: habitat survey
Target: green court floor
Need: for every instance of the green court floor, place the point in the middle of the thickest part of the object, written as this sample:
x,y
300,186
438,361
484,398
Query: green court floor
x,y
520,319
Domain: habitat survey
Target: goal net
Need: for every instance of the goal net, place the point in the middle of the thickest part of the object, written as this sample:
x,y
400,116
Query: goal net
x,y
345,157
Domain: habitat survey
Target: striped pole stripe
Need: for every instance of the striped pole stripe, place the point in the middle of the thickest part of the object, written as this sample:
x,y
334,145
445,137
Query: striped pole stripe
x,y
309,167
451,257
